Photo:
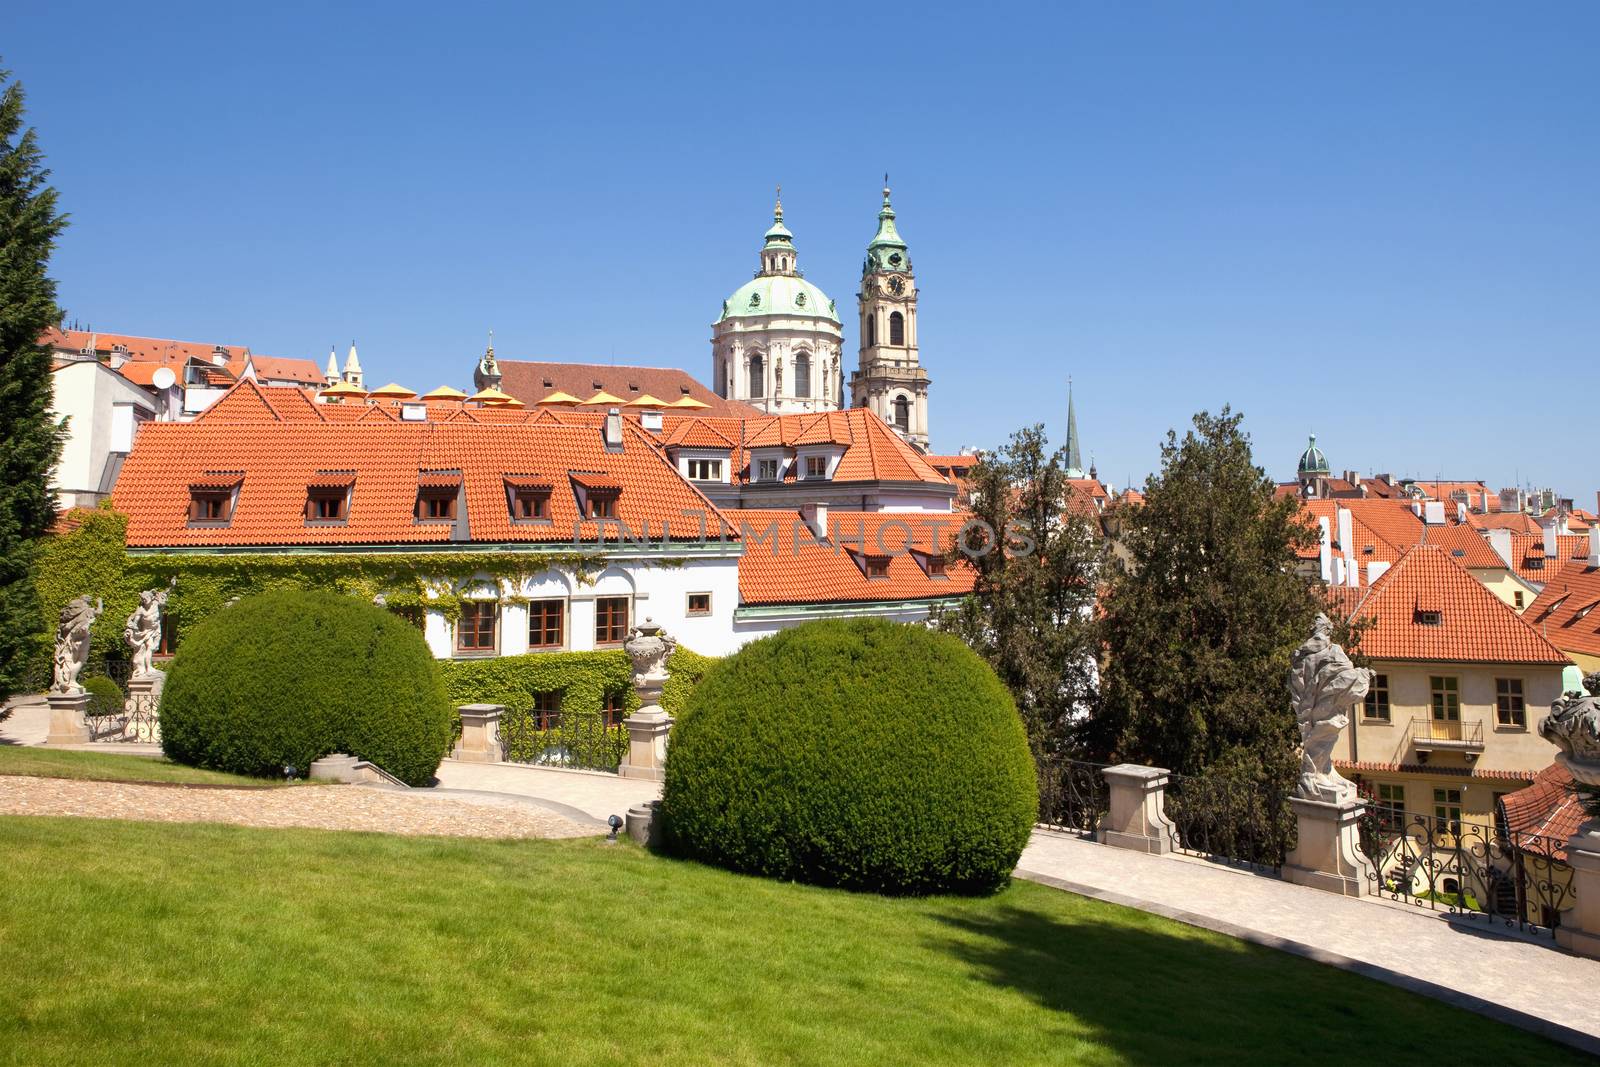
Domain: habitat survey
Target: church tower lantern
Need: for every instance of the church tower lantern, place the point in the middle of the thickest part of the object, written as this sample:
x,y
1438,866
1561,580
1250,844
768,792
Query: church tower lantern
x,y
890,379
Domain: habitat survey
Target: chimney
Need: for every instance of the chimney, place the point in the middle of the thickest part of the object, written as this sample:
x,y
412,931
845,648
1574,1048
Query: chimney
x,y
1500,541
1375,570
1461,513
1416,509
613,431
1347,534
1594,545
1433,512
1324,550
816,516
1552,541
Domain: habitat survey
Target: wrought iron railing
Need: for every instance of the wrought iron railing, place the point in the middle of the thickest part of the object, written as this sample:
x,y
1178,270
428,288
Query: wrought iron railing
x,y
563,739
1072,795
1230,818
1467,868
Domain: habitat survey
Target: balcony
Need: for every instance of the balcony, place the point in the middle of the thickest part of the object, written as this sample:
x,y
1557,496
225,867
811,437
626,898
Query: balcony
x,y
1430,735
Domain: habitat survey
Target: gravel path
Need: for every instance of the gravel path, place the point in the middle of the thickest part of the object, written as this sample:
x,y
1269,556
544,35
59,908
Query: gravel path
x,y
326,807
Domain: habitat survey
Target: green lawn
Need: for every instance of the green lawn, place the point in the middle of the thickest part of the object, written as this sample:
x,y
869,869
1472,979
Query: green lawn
x,y
111,767
129,943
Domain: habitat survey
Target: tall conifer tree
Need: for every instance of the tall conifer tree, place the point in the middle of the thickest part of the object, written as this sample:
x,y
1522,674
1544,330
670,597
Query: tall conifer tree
x,y
1199,624
1031,612
30,440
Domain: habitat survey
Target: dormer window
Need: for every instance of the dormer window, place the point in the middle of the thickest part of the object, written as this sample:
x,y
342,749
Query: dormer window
x,y
437,492
1429,618
705,470
528,499
932,566
328,496
212,497
597,494
767,470
603,505
875,566
816,468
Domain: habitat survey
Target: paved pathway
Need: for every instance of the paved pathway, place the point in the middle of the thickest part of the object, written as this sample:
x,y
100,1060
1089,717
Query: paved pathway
x,y
327,807
1464,961
594,794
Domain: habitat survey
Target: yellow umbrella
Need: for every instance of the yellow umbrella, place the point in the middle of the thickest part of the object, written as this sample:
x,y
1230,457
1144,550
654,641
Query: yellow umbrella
x,y
602,397
344,389
558,397
395,390
688,402
491,395
647,401
445,392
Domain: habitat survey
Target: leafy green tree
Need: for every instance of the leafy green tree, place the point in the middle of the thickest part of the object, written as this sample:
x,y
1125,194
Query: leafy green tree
x,y
30,441
1200,619
1031,612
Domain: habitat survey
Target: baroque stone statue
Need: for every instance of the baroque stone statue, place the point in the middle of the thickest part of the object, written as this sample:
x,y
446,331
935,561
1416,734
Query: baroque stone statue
x,y
1323,683
142,631
1573,726
72,643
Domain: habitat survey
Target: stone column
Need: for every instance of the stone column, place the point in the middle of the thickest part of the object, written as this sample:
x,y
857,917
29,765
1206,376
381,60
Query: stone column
x,y
1137,819
1327,855
1580,924
480,733
69,718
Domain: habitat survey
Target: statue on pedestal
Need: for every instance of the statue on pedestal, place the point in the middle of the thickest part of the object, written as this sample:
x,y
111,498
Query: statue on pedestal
x,y
72,643
1573,726
1323,684
649,647
142,631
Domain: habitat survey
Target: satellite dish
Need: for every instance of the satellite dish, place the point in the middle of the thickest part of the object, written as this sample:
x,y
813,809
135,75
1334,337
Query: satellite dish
x,y
163,378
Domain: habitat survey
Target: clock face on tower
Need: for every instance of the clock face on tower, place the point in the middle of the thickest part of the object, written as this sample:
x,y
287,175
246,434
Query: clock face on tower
x,y
897,285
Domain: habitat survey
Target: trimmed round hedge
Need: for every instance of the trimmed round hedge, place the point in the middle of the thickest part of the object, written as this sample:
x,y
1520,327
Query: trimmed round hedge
x,y
865,754
105,696
287,677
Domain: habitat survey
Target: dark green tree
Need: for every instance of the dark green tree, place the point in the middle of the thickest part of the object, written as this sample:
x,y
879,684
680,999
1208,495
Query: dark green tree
x,y
1201,617
1031,612
30,441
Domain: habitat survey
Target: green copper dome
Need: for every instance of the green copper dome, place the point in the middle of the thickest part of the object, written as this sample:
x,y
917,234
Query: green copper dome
x,y
887,250
1312,461
778,294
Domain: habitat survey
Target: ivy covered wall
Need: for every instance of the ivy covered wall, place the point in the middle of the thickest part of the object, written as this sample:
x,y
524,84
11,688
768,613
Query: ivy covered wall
x,y
92,559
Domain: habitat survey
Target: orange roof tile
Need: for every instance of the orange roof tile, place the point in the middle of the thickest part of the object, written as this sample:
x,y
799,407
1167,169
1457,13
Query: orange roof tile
x,y
530,382
1466,545
783,564
1473,625
281,369
280,457
148,349
1558,611
1541,817
1515,521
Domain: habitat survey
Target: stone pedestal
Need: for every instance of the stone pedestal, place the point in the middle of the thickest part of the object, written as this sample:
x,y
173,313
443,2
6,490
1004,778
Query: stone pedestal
x,y
480,733
69,719
143,707
1136,819
1327,856
647,744
643,823
1580,924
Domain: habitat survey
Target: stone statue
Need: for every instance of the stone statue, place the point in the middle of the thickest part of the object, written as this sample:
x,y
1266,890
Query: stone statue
x,y
649,647
72,643
1323,683
1573,726
142,631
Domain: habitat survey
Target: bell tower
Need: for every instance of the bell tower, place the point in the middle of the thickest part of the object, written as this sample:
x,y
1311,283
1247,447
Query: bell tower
x,y
890,379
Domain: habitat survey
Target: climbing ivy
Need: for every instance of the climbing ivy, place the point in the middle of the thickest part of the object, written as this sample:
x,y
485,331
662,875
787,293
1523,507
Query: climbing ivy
x,y
92,558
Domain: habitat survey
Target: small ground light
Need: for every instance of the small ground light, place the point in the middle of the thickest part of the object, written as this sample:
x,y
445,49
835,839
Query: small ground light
x,y
615,822
289,771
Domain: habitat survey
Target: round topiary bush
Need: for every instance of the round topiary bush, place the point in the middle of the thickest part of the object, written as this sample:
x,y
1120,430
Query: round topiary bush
x,y
866,754
105,696
290,676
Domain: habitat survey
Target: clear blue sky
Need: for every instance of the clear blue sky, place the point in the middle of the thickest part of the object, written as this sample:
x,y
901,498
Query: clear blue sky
x,y
1377,221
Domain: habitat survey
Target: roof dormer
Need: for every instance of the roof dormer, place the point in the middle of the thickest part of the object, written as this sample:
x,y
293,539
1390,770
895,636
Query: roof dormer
x,y
596,493
328,497
212,497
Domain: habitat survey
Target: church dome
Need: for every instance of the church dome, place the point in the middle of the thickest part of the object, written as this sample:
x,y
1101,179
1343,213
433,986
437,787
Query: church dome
x,y
1312,461
778,294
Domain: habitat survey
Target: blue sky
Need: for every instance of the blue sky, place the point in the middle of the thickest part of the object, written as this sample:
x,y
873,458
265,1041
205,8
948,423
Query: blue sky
x,y
1374,221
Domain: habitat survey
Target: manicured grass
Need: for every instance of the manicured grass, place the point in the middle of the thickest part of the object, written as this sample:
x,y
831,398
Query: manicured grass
x,y
111,767
127,942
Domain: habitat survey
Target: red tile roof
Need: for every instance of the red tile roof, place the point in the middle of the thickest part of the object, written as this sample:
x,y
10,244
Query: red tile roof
x,y
1515,521
1530,562
1543,816
531,382
1377,767
281,457
783,564
1466,545
1474,625
1559,612
281,369
149,349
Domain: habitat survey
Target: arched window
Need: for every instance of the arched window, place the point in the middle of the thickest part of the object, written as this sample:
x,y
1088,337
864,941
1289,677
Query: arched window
x,y
758,376
802,374
872,329
897,328
902,412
